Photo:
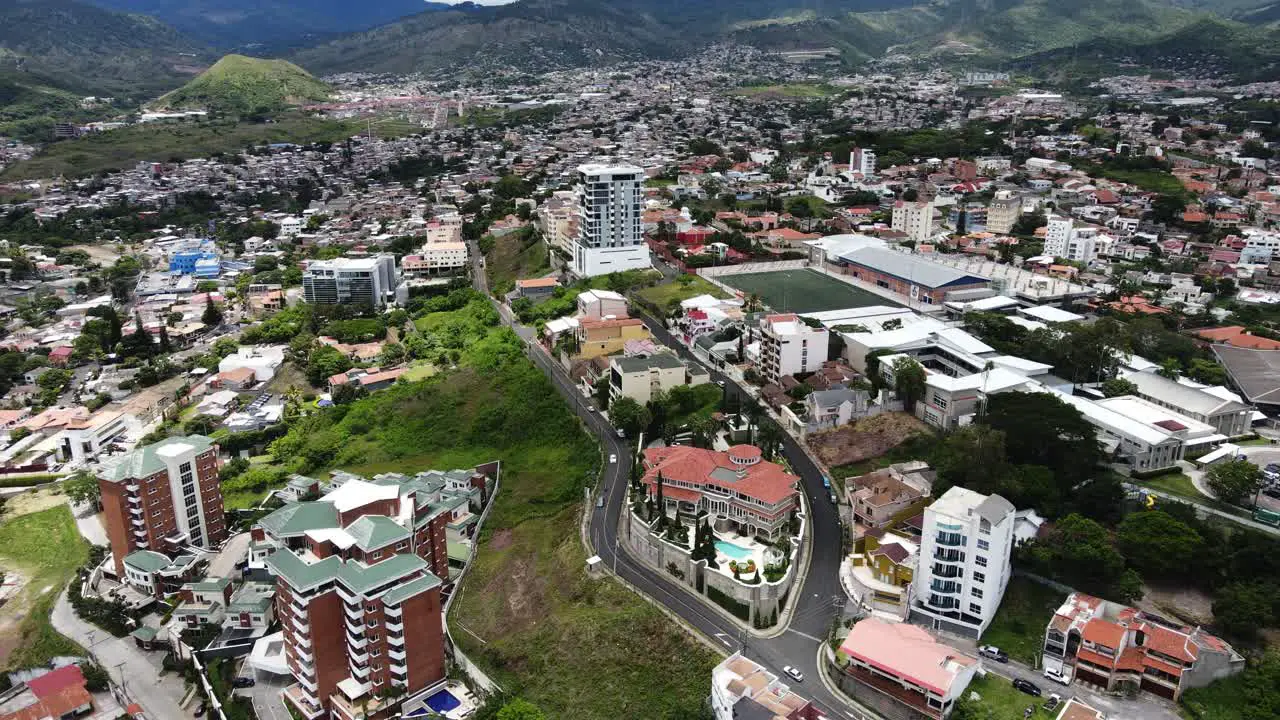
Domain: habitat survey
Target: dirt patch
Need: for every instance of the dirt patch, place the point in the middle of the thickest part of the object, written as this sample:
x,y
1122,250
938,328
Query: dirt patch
x,y
866,439
501,540
1188,605
34,501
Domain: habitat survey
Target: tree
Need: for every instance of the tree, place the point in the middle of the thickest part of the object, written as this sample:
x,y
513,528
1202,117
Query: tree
x,y
1170,368
1158,545
212,316
1079,552
1042,430
1241,608
325,362
1234,480
520,709
908,382
1118,386
629,416
392,354
703,429
96,678
82,487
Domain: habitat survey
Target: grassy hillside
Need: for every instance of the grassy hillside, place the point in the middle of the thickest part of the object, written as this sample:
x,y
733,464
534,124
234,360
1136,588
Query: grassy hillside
x,y
527,612
247,86
92,51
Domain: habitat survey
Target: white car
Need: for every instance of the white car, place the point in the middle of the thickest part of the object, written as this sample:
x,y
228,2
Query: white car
x,y
1057,676
793,673
613,459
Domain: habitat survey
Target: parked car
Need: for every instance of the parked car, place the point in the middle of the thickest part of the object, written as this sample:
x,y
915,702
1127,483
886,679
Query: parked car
x,y
622,433
1057,676
793,673
243,682
1271,472
1027,686
613,459
1272,493
994,653
1053,702
591,408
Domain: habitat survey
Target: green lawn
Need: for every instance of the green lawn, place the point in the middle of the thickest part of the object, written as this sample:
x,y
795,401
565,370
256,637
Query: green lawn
x,y
419,371
1153,180
1019,625
669,295
1180,485
1006,702
47,549
1253,442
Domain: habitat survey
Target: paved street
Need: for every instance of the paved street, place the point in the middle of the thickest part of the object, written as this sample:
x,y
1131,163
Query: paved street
x,y
233,551
137,671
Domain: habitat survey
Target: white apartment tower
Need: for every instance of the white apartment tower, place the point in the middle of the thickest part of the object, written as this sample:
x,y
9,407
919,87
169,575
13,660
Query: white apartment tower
x,y
914,218
1064,239
862,160
610,231
964,561
788,346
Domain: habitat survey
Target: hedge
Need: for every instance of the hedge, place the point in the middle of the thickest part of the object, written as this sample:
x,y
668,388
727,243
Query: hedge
x,y
28,480
740,610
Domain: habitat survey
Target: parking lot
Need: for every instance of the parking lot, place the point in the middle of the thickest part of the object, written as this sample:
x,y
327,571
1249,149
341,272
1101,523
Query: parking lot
x,y
1262,456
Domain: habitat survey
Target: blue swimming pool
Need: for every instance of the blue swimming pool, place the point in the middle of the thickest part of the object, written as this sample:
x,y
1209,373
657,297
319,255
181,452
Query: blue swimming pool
x,y
737,552
443,702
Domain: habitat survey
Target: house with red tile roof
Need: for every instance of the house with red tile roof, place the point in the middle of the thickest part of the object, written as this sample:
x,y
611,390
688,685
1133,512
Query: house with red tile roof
x,y
737,485
57,694
1108,644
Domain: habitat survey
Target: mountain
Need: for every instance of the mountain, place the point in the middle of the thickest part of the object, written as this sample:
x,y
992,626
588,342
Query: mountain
x,y
85,49
546,34
246,86
271,24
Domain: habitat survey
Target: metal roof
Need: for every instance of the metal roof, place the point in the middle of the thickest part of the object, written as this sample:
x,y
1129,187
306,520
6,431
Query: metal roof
x,y
909,267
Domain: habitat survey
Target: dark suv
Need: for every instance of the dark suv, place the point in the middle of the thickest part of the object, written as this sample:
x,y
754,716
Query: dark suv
x,y
1027,686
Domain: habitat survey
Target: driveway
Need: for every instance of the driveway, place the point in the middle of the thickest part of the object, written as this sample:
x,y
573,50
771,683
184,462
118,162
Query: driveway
x,y
233,551
136,671
267,702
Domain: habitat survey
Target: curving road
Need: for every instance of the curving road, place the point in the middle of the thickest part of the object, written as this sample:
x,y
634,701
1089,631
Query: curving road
x,y
815,603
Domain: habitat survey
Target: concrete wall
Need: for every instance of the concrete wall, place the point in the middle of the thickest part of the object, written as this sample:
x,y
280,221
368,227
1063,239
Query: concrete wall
x,y
764,598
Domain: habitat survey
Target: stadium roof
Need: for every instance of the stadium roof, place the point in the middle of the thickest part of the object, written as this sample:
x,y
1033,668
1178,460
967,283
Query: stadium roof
x,y
910,268
1255,372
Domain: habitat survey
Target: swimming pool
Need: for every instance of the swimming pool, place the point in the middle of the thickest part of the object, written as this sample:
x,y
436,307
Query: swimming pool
x,y
442,702
737,552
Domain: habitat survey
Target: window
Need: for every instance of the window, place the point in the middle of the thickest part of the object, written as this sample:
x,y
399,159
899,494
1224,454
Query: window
x,y
979,577
976,592
939,401
984,545
975,608
980,561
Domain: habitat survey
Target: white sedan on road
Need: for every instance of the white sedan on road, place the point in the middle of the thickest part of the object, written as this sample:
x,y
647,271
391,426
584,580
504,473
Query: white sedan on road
x,y
793,673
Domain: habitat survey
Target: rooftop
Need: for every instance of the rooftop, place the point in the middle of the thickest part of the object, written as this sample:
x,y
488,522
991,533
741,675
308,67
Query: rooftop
x,y
908,267
151,459
906,651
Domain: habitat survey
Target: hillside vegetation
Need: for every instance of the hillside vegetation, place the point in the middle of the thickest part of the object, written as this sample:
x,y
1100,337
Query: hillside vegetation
x,y
540,34
91,51
247,86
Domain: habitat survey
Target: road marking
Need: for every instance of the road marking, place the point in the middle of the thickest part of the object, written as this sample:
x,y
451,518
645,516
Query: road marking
x,y
722,638
805,635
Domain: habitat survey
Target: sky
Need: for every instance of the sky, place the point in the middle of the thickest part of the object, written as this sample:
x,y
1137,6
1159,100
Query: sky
x,y
477,2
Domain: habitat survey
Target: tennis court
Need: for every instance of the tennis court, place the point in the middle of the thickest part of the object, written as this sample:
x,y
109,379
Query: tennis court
x,y
803,291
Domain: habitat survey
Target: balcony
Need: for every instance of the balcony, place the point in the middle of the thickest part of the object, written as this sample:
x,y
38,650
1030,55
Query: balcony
x,y
355,615
396,640
947,571
301,624
394,627
397,655
356,641
392,611
360,657
303,655
947,588
943,603
346,596
132,488
949,556
360,671
950,539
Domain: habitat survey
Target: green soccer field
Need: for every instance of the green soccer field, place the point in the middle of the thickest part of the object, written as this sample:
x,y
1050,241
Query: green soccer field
x,y
803,291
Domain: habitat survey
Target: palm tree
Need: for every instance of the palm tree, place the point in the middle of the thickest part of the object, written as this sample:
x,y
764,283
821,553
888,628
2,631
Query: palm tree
x,y
754,411
770,439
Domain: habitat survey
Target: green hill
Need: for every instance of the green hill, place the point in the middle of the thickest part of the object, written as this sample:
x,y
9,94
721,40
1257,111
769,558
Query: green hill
x,y
247,86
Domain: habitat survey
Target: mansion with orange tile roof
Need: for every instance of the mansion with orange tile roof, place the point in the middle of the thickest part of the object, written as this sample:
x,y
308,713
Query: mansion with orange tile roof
x,y
738,484
1109,644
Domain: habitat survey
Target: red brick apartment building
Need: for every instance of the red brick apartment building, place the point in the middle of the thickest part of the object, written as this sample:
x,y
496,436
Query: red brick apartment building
x,y
358,588
162,499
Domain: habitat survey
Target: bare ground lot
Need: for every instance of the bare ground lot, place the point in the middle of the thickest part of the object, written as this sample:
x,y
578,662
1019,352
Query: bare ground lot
x,y
865,439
